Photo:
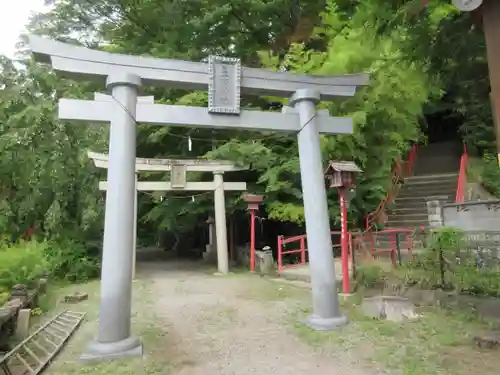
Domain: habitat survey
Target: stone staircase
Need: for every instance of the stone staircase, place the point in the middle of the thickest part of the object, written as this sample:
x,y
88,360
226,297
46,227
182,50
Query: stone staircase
x,y
409,210
435,177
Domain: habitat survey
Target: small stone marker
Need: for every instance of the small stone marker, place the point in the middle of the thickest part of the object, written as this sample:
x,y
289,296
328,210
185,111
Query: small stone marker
x,y
487,340
19,292
23,324
393,308
42,285
265,261
76,297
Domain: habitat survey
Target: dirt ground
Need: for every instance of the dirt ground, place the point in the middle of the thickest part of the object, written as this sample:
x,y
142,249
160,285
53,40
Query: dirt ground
x,y
236,325
193,322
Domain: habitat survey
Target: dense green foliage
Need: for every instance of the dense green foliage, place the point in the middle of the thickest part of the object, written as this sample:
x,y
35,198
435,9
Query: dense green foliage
x,y
490,175
414,57
25,262
451,260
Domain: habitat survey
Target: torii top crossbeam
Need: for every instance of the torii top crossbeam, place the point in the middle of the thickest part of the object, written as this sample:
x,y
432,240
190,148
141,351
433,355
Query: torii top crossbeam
x,y
165,165
82,63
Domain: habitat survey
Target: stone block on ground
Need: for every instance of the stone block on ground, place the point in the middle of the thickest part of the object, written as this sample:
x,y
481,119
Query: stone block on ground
x,y
243,255
76,297
487,340
264,261
393,308
6,313
42,285
19,292
13,306
23,324
210,254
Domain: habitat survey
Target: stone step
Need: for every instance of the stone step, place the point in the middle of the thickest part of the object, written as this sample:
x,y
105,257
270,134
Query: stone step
x,y
405,201
437,168
402,210
452,185
409,217
410,224
408,204
422,179
430,192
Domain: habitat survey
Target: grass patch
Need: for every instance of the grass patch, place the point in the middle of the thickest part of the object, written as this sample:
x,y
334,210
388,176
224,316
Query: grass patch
x,y
265,289
475,169
439,342
144,324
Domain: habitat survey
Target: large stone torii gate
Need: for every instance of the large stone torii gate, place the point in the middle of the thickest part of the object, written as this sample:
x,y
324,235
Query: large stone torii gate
x,y
178,169
225,78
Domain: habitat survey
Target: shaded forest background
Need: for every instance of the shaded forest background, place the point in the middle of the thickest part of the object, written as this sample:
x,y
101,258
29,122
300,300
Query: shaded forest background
x,y
424,62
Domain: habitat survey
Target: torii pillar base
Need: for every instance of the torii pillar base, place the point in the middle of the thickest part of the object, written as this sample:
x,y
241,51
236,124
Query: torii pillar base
x,y
325,324
98,352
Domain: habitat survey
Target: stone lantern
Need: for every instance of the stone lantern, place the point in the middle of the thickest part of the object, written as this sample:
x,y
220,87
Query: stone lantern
x,y
210,254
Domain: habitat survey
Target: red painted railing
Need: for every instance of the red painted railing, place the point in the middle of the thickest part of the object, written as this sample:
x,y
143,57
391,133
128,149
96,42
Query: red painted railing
x,y
282,242
462,177
301,250
371,238
357,242
401,170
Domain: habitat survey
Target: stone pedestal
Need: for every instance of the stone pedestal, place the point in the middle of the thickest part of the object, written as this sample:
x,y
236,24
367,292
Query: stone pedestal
x,y
210,254
435,214
264,261
23,324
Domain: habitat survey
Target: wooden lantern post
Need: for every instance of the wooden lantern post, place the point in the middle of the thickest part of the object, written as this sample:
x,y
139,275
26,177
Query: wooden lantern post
x,y
341,175
253,202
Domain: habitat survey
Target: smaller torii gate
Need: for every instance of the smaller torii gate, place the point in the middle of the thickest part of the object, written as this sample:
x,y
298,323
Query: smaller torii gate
x,y
178,169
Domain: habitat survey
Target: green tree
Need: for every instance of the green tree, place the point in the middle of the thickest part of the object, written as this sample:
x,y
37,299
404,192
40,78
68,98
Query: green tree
x,y
46,179
401,46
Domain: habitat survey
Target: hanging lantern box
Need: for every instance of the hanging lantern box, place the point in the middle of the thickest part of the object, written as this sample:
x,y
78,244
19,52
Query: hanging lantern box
x,y
341,174
253,200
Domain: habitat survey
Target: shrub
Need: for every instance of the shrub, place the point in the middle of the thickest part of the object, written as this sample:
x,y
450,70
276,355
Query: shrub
x,y
3,297
25,262
370,275
490,175
69,260
452,261
22,263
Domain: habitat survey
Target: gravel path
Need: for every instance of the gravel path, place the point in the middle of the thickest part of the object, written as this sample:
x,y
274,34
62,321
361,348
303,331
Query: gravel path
x,y
218,325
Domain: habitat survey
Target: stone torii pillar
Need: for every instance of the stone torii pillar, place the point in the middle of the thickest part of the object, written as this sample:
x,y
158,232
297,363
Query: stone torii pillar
x,y
225,79
140,99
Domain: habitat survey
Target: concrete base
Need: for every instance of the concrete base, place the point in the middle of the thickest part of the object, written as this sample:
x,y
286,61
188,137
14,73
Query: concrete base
x,y
97,351
223,274
322,324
